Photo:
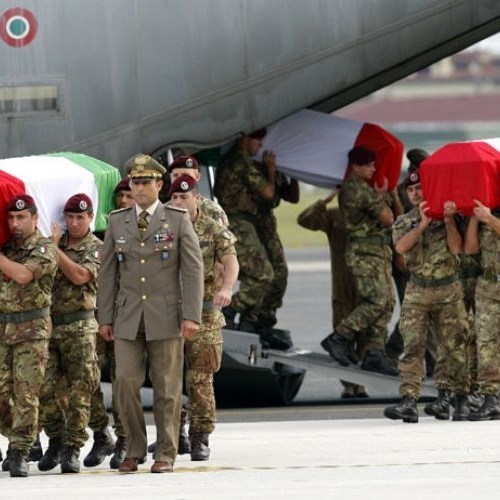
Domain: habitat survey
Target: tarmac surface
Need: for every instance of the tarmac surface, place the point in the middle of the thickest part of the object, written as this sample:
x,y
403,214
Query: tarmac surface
x,y
296,459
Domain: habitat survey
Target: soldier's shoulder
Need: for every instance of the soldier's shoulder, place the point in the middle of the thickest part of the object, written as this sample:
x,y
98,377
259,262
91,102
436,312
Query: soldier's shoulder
x,y
406,218
175,209
119,211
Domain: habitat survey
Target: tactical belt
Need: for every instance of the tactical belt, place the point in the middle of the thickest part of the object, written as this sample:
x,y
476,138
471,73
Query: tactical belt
x,y
374,240
433,283
66,319
208,305
21,317
466,274
491,276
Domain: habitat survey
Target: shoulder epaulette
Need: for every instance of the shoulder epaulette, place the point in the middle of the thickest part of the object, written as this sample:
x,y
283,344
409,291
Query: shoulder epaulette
x,y
177,209
119,210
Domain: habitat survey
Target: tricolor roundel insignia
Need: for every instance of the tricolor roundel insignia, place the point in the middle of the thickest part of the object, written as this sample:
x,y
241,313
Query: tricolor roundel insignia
x,y
18,27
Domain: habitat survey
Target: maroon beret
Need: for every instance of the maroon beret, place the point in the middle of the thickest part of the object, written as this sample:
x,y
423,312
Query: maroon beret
x,y
79,203
184,162
183,184
21,202
258,134
123,185
361,155
411,179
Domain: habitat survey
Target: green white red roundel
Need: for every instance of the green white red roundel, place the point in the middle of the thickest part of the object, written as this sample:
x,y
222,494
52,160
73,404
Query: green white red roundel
x,y
18,27
51,180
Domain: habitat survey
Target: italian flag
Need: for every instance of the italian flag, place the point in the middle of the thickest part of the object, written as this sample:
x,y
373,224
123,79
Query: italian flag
x,y
51,179
312,147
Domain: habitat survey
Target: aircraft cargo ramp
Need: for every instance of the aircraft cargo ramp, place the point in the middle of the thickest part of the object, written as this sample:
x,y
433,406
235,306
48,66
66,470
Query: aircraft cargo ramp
x,y
374,382
253,376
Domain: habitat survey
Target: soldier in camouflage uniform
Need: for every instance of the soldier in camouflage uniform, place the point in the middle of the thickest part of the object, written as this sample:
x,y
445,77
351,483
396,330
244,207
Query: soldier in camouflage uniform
x,y
469,271
267,229
28,265
483,235
320,217
203,351
367,217
72,348
433,297
188,165
247,191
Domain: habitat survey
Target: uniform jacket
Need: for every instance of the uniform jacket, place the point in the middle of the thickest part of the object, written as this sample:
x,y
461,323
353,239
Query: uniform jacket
x,y
159,274
430,258
39,255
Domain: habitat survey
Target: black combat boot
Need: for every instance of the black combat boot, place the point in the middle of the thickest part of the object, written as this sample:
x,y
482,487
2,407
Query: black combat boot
x,y
440,407
5,463
476,400
184,446
339,348
378,361
229,315
152,447
119,454
102,447
406,411
272,340
36,452
52,457
199,446
18,463
69,459
461,412
489,411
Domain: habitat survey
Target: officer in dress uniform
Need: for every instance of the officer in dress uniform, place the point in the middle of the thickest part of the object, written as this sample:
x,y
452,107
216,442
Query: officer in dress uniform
x,y
150,296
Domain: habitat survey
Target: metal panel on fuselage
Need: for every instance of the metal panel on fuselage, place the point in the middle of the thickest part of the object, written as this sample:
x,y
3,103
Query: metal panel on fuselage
x,y
135,75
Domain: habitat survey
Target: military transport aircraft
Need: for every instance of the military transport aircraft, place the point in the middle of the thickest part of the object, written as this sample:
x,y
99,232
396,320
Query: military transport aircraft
x,y
113,78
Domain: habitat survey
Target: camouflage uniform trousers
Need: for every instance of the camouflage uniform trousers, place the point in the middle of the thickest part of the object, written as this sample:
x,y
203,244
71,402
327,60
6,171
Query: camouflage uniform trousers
x,y
441,376
486,324
256,272
373,312
22,368
72,356
273,299
443,309
203,355
98,415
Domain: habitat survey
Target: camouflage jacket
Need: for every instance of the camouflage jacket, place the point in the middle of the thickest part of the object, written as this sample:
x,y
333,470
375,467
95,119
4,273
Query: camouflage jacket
x,y
490,259
282,187
215,242
238,183
68,297
360,207
430,258
39,255
213,210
